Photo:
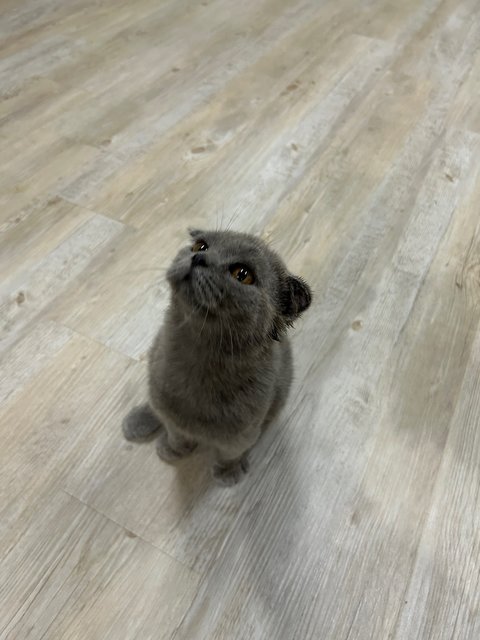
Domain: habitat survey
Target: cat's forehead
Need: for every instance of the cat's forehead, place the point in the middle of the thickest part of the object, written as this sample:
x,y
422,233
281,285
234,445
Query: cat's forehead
x,y
233,243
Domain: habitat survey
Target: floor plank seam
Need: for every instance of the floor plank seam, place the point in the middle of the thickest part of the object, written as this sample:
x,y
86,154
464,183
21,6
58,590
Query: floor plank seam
x,y
94,211
140,537
65,325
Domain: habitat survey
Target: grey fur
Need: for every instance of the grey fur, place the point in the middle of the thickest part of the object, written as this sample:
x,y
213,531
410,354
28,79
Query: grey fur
x,y
220,367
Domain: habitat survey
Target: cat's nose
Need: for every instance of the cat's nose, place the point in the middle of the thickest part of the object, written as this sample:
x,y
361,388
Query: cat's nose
x,y
199,260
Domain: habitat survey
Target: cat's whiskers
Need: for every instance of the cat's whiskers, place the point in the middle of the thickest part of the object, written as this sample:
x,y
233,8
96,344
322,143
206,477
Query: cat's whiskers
x,y
231,220
204,321
106,283
223,215
188,317
137,271
203,286
221,332
231,340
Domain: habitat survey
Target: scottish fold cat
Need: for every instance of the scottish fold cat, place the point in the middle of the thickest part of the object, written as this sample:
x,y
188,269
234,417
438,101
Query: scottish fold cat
x,y
220,366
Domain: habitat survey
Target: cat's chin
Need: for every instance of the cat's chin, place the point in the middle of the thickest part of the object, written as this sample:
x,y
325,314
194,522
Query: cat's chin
x,y
185,296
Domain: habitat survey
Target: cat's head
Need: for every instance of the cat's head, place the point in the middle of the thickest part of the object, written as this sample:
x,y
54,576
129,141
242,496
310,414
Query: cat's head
x,y
232,277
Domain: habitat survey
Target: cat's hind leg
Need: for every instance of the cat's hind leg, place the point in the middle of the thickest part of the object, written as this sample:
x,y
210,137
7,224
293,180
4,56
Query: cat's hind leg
x,y
172,446
230,472
230,463
140,423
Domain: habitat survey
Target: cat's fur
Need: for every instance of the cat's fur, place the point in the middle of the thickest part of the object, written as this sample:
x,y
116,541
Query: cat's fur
x,y
220,366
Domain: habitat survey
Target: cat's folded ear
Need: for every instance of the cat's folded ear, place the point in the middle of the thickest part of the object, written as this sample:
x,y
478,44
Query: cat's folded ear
x,y
296,297
195,233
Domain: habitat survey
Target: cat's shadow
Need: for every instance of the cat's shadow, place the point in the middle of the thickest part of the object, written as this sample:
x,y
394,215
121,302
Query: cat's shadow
x,y
192,475
270,521
269,498
192,479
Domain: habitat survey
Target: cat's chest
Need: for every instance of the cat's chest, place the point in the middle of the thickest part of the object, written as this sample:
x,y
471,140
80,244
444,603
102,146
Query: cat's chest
x,y
200,381
210,384
213,375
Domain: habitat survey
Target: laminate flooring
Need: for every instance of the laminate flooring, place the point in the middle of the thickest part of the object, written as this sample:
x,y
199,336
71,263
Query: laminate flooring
x,y
345,133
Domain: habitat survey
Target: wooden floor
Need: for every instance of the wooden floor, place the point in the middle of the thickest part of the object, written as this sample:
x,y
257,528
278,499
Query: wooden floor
x,y
346,133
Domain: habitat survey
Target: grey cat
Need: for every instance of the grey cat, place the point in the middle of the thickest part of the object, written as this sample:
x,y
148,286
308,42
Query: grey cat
x,y
220,367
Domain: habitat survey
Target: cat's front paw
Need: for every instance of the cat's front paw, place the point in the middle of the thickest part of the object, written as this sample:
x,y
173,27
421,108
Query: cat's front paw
x,y
172,454
140,423
230,473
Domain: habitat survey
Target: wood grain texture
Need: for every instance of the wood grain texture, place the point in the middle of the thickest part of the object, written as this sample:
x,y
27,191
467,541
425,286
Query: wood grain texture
x,y
348,135
89,578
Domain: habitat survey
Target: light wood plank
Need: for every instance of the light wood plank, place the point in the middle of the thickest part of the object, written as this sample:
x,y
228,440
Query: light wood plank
x,y
211,136
443,598
81,575
30,177
69,389
28,291
29,355
36,231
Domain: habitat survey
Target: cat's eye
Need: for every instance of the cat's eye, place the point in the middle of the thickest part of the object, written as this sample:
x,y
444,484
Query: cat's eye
x,y
242,273
200,245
